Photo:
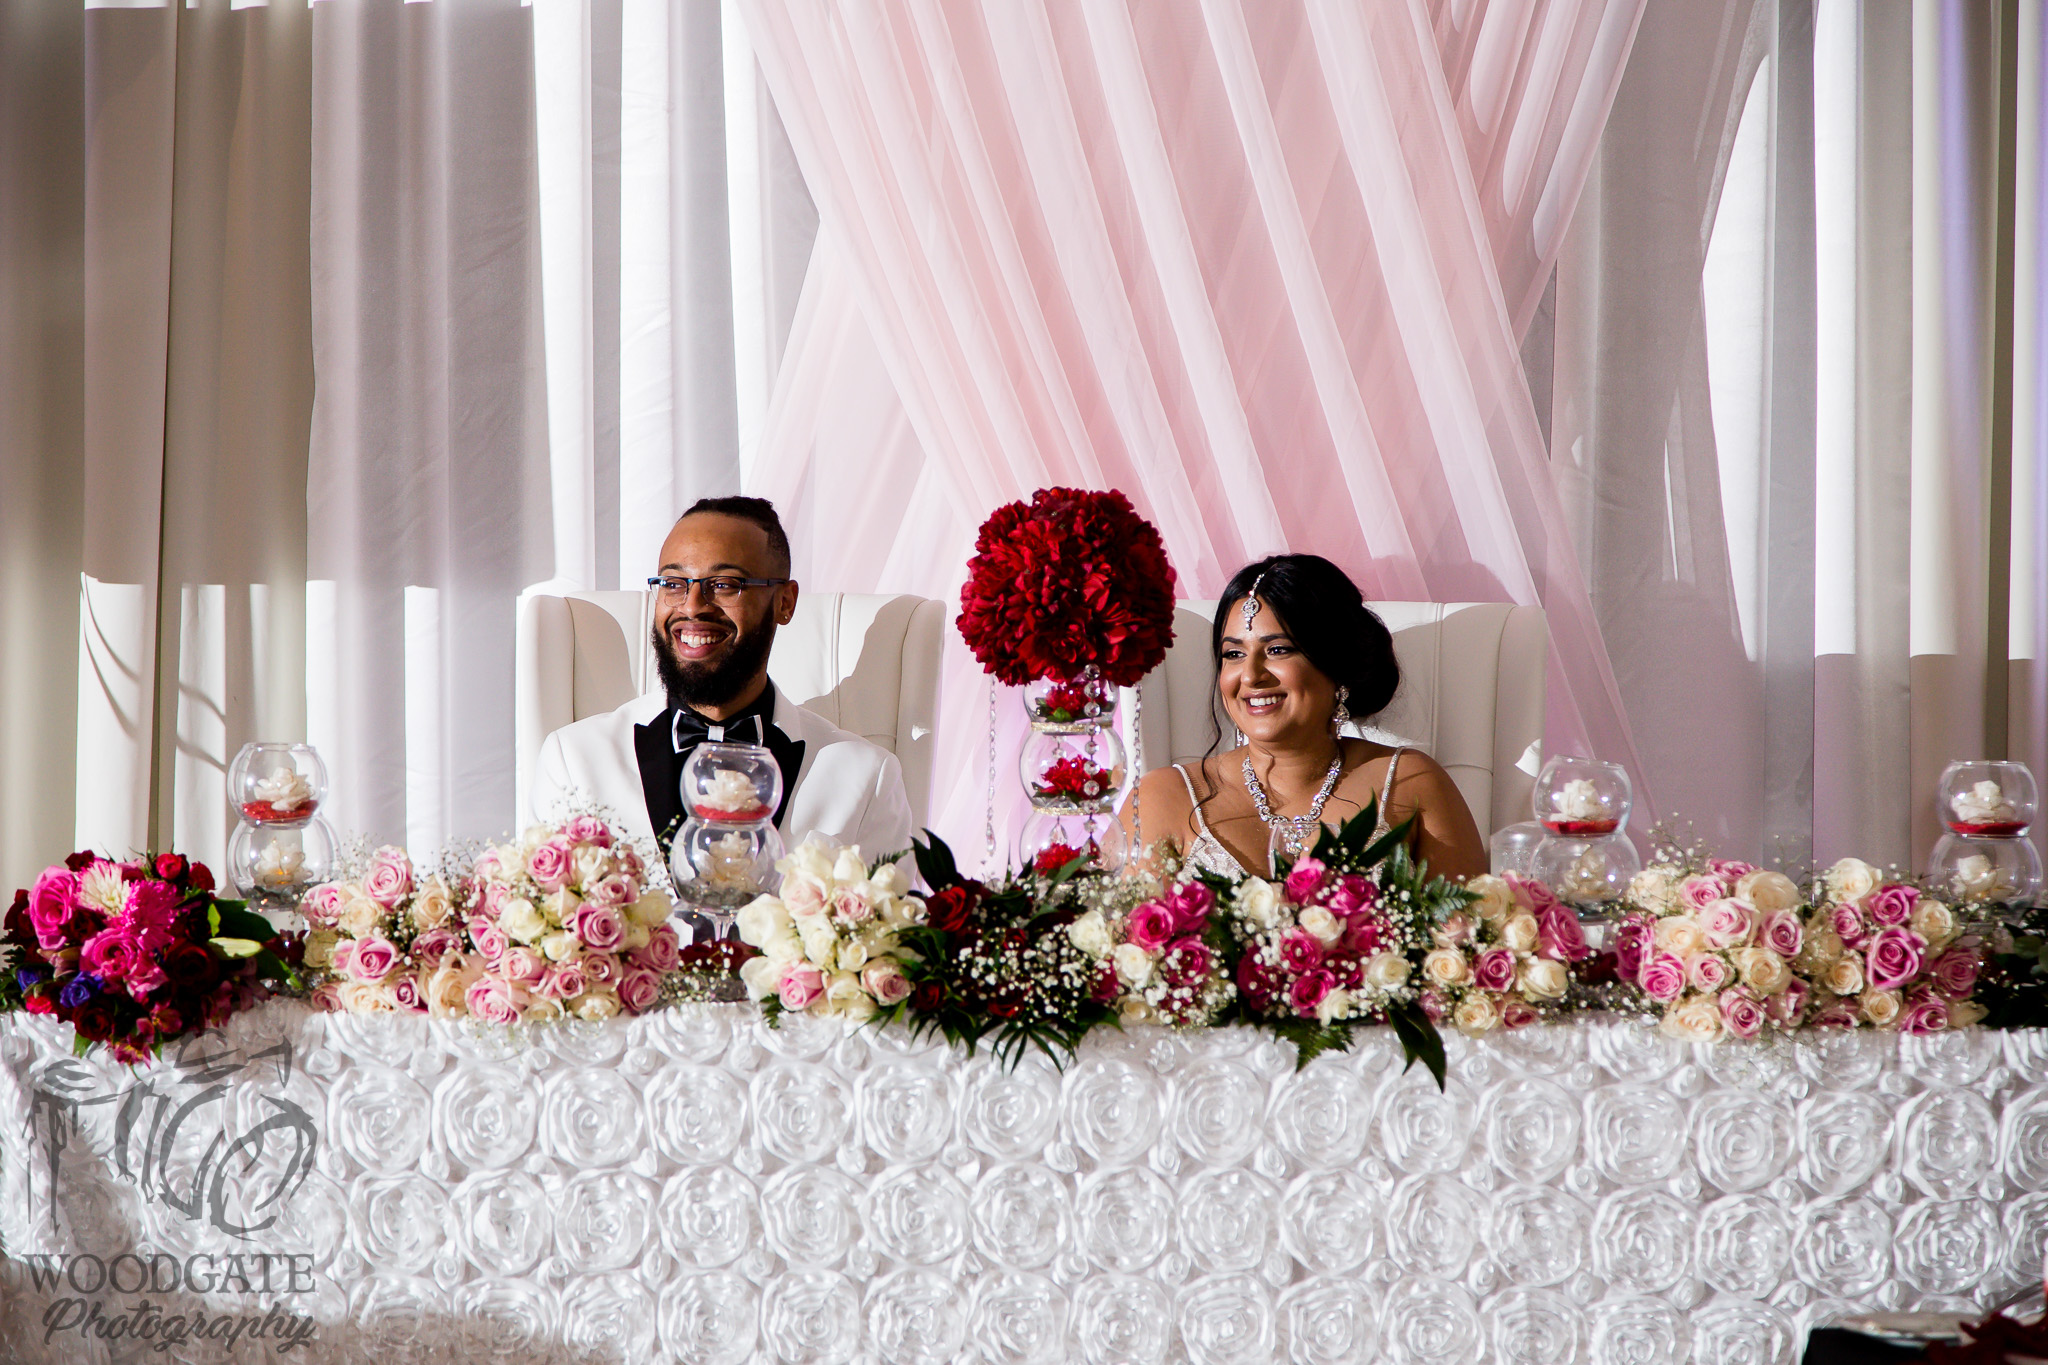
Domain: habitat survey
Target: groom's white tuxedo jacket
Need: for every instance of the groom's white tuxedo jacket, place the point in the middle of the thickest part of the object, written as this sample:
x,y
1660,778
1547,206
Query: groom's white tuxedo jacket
x,y
845,787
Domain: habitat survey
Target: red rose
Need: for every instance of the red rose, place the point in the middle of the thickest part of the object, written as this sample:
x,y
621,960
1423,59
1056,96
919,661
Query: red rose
x,y
198,877
927,997
17,928
1053,859
190,966
170,866
36,1002
95,1021
950,911
81,860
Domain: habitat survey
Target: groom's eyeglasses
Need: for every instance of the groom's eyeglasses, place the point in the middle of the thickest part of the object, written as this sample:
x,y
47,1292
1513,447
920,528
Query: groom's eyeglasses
x,y
718,587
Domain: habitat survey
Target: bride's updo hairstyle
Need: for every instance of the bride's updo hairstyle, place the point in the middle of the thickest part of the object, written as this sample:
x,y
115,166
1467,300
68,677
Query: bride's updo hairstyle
x,y
1327,619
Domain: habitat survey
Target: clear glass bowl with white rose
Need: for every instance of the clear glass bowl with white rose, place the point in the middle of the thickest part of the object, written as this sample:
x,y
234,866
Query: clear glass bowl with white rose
x,y
274,866
727,783
1586,873
1987,798
717,868
1986,875
1582,798
277,783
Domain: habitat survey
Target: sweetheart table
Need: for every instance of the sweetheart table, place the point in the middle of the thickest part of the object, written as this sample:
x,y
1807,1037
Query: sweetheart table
x,y
693,1185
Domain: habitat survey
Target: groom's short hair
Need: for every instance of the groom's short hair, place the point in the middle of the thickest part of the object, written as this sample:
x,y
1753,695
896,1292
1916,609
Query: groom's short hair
x,y
760,512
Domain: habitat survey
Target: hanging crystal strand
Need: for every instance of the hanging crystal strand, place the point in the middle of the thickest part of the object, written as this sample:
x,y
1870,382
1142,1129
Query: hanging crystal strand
x,y
1137,768
989,866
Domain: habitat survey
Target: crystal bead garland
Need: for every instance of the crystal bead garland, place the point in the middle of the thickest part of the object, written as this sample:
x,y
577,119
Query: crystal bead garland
x,y
1072,767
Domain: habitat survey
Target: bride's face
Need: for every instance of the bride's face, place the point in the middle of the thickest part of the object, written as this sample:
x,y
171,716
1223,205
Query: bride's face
x,y
1270,689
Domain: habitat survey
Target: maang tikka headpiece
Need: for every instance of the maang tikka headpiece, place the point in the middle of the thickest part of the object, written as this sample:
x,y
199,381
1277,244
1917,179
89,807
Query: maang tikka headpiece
x,y
1251,603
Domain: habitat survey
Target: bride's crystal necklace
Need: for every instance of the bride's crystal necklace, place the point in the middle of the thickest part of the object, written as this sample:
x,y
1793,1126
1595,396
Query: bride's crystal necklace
x,y
1300,828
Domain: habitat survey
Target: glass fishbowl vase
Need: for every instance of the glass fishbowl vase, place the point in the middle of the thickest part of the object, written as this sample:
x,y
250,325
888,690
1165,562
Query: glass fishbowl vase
x,y
1049,840
717,868
1072,770
1586,872
726,783
277,783
275,865
1582,798
1986,799
1986,873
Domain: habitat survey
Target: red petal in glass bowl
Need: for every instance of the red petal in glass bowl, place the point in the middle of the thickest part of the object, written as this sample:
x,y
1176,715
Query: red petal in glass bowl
x,y
1988,829
1581,829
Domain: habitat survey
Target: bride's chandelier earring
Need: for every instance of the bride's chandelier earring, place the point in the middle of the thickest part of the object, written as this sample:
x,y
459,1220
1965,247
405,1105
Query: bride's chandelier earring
x,y
1250,608
1342,716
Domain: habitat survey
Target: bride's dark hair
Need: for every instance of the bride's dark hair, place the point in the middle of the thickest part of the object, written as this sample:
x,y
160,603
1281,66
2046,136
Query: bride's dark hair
x,y
1327,619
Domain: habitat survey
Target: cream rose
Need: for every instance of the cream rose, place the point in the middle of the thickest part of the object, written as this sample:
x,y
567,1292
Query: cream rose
x,y
853,954
1963,1013
1652,889
1543,979
1519,933
1763,970
1880,1007
759,975
1698,1020
1476,1014
1680,936
1845,976
591,864
521,921
761,919
557,906
1090,933
448,987
1133,965
1259,902
1851,879
1333,1006
1820,949
1132,1010
1769,892
599,1002
365,997
1495,901
1321,925
431,904
1387,970
849,866
1934,922
813,858
890,880
846,998
360,917
559,946
1447,967
320,947
651,909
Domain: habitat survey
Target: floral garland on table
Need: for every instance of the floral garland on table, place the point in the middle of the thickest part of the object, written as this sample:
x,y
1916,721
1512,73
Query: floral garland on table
x,y
563,923
1884,954
138,954
1506,961
1070,581
831,942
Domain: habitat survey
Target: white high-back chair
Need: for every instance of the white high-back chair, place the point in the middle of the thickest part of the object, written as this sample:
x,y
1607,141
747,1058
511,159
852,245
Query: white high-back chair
x,y
1471,697
868,663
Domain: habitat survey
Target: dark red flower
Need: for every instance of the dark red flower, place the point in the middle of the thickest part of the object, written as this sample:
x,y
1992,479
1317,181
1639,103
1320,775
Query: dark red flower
x,y
190,966
81,860
951,910
95,1021
1072,580
17,928
1052,858
170,866
39,1002
199,877
927,997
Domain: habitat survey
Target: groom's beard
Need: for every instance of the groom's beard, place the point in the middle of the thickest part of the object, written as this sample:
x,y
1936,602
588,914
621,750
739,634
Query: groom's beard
x,y
713,682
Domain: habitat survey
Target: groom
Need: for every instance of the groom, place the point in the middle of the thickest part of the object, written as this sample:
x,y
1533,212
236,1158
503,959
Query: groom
x,y
723,588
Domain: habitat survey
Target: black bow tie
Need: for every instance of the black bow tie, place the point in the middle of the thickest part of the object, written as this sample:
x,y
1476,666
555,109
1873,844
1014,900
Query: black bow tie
x,y
690,729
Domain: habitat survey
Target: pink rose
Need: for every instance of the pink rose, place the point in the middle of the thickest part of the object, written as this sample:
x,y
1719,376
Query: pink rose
x,y
1355,895
1494,969
489,939
638,990
630,865
1728,870
1559,935
1955,972
1190,905
599,926
884,980
1707,972
344,953
1516,1012
492,902
1151,926
550,864
587,829
1891,904
801,986
564,981
1631,941
851,904
1434,1006
1837,1013
51,904
373,958
662,951
429,948
1308,991
1727,923
389,879
1363,934
322,905
1529,893
1847,922
1299,951
492,1001
326,997
1742,1012
1662,976
1925,1015
1783,934
1787,1005
1304,879
1894,957
406,994
1697,893
1186,961
523,966
614,891
110,954
1255,979
603,968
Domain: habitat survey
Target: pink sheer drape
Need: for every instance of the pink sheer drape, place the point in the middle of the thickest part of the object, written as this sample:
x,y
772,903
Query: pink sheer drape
x,y
1261,266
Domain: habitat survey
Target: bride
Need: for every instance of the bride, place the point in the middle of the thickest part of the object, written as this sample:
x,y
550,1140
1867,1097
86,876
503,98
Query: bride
x,y
1298,653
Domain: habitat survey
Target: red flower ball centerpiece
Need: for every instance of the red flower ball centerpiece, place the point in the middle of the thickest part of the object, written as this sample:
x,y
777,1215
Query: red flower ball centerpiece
x,y
1069,596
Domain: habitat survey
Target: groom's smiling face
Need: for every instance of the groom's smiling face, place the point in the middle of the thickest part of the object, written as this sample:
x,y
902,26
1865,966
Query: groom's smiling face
x,y
713,653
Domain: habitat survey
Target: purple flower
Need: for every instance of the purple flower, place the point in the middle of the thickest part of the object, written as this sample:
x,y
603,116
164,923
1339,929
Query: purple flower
x,y
78,990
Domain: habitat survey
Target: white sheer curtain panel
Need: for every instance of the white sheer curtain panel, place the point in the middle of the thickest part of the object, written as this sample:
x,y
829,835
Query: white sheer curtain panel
x,y
153,408
1244,262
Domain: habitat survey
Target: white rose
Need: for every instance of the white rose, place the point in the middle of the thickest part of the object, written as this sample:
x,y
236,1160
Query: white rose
x,y
783,949
1475,1014
1880,1007
804,895
1259,902
1845,976
1963,1013
1680,936
849,866
598,1002
360,917
1769,892
1133,965
1763,970
821,944
1387,970
1132,1010
1334,1006
531,838
761,919
557,906
559,946
1698,1020
1446,967
848,999
1321,925
636,937
1495,901
320,947
760,974
1090,934
1543,979
591,863
853,954
891,880
1651,888
1934,922
651,909
1851,879
521,921
539,1009
1519,933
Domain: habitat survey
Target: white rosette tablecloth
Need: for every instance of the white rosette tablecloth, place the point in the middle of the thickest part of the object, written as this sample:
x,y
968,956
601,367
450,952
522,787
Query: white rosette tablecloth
x,y
696,1186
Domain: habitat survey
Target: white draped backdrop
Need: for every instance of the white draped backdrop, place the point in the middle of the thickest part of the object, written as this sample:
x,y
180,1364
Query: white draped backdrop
x,y
1716,329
